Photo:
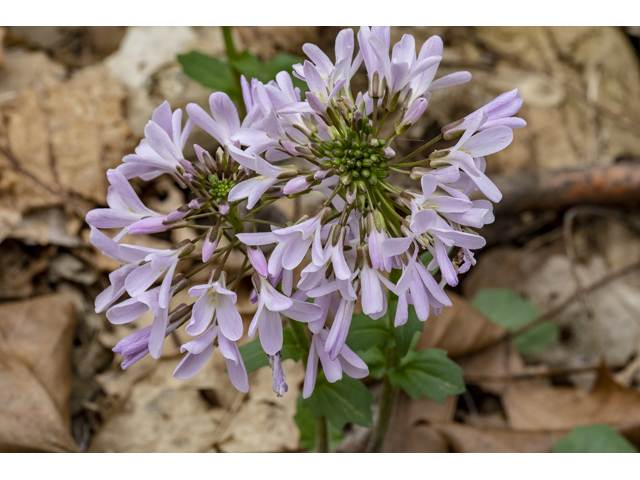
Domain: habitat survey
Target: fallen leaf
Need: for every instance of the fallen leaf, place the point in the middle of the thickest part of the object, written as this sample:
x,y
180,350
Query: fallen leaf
x,y
35,374
467,439
535,405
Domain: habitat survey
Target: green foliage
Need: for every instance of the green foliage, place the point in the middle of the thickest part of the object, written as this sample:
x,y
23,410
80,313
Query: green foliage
x,y
307,426
211,72
508,309
219,74
253,355
537,339
291,347
428,373
342,402
366,333
407,333
375,360
594,439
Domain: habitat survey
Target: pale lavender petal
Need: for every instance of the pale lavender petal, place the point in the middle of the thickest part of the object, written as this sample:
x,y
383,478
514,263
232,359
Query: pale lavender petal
x,y
192,363
229,319
270,332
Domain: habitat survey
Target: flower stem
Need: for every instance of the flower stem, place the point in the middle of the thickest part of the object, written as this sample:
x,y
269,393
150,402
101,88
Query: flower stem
x,y
389,395
425,146
232,54
322,435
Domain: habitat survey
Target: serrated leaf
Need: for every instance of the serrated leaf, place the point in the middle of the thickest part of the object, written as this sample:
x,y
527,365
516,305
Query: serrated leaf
x,y
594,439
291,347
366,333
428,373
211,72
307,426
505,307
253,355
537,339
341,402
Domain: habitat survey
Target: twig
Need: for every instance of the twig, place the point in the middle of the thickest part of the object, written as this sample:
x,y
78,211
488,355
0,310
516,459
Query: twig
x,y
532,375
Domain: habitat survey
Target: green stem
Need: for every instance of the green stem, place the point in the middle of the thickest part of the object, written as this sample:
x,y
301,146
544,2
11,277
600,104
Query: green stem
x,y
425,146
389,395
322,435
232,54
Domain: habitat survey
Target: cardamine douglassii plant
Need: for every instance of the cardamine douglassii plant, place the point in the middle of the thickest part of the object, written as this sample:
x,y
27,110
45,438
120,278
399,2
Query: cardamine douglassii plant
x,y
364,240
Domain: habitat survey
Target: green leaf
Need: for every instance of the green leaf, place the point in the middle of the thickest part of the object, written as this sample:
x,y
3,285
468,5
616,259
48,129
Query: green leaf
x,y
505,307
365,333
291,347
375,360
428,373
510,310
407,333
342,402
594,439
307,426
537,339
253,355
210,72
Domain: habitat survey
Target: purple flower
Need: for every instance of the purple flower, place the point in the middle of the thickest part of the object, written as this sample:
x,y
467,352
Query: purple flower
x,y
223,124
125,208
267,318
129,259
345,361
158,262
136,345
253,188
161,149
469,147
201,348
280,386
215,299
499,112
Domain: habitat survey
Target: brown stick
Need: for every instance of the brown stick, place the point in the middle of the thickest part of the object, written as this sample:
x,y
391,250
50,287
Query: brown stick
x,y
615,185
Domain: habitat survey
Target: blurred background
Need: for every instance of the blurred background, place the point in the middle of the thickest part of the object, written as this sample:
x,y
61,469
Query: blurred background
x,y
546,326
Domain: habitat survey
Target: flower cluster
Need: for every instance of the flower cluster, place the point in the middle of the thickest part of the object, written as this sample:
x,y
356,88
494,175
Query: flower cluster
x,y
327,140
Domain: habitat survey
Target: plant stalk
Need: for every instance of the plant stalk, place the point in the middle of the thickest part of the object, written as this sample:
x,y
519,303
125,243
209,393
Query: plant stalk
x,y
389,395
322,435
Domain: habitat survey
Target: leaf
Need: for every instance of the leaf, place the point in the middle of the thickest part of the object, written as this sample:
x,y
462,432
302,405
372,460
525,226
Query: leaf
x,y
594,439
307,426
291,347
375,360
405,334
505,307
253,355
342,402
510,310
537,339
210,72
366,333
428,373
469,439
248,64
535,405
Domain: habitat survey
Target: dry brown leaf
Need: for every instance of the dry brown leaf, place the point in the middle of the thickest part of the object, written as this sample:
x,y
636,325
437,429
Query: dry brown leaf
x,y
410,430
536,405
467,439
499,361
29,419
35,374
460,329
39,333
